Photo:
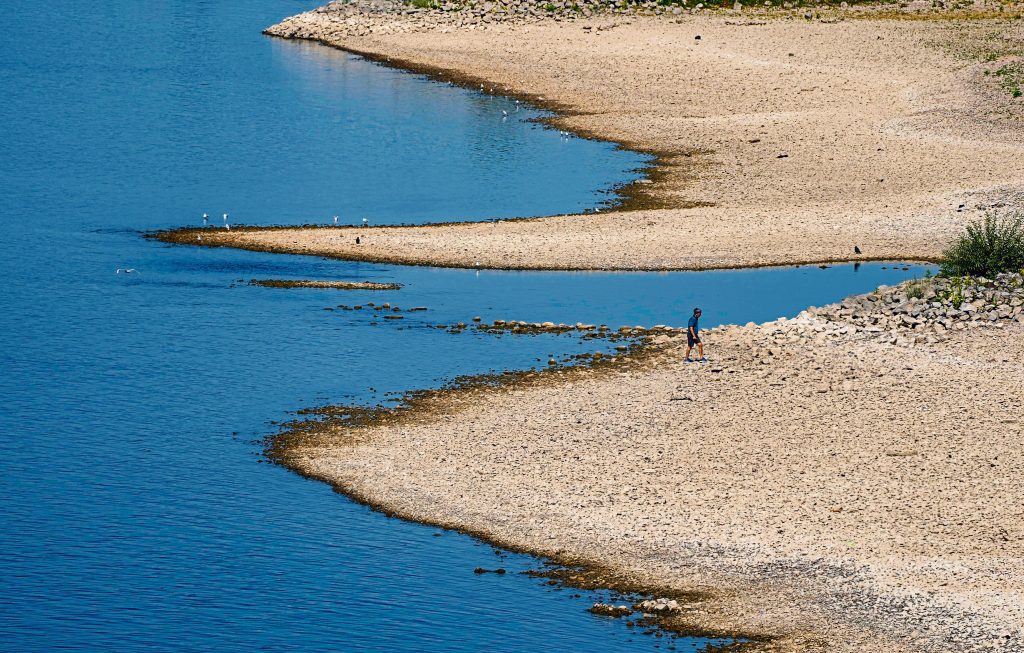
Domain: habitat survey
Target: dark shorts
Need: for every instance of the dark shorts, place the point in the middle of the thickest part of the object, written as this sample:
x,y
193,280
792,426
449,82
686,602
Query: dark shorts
x,y
690,340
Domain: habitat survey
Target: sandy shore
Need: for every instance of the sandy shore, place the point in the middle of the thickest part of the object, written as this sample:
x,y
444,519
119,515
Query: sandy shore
x,y
848,495
831,494
320,283
791,141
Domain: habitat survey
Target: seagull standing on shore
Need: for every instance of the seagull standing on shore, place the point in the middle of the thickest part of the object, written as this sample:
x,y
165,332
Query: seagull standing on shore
x,y
365,222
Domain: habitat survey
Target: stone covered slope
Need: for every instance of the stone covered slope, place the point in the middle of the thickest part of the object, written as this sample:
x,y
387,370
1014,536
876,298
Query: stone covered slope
x,y
364,17
917,312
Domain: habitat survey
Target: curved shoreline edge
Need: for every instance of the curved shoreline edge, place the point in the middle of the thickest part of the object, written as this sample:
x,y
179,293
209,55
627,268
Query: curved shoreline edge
x,y
570,570
774,143
629,196
440,459
748,582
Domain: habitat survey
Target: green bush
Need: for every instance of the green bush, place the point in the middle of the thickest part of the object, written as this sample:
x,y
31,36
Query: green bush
x,y
915,289
989,246
1012,75
954,294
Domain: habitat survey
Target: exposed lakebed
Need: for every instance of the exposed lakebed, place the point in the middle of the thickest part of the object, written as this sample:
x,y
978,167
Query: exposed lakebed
x,y
137,513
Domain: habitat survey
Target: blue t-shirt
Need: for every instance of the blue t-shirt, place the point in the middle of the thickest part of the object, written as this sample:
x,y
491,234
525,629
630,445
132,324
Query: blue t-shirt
x,y
693,324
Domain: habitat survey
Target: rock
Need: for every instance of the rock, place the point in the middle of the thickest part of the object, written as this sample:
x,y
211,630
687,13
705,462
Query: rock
x,y
607,610
658,606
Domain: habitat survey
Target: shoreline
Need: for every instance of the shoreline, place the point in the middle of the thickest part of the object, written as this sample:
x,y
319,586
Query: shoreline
x,y
235,239
795,595
629,196
895,163
568,569
803,600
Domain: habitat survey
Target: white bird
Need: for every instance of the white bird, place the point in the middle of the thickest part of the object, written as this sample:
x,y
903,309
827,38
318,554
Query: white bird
x,y
206,219
476,263
125,270
225,217
199,238
365,221
227,226
504,114
335,220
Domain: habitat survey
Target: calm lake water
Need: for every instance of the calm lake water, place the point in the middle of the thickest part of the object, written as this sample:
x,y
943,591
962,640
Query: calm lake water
x,y
136,512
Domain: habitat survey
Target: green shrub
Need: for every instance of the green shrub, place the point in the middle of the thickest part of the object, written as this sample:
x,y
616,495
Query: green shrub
x,y
954,294
990,246
915,289
1012,75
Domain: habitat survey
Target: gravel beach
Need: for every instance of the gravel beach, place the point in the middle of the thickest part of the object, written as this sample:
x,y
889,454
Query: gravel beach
x,y
825,481
779,139
848,480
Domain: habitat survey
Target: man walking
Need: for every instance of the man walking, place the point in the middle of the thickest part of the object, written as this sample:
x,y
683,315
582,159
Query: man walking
x,y
693,336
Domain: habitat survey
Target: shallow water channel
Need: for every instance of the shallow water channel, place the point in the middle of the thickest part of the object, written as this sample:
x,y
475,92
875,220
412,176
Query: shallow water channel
x,y
137,512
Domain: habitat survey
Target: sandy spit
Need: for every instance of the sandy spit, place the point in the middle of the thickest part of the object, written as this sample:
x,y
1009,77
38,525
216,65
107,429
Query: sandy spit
x,y
784,142
844,496
320,283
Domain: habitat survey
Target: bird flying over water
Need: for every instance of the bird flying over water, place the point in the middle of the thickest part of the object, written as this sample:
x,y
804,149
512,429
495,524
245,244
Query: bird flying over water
x,y
125,270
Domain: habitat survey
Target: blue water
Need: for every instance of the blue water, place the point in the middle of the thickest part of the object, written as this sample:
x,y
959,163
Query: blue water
x,y
136,511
